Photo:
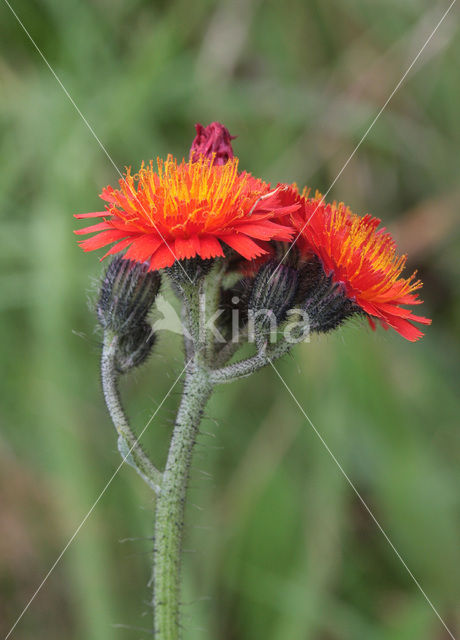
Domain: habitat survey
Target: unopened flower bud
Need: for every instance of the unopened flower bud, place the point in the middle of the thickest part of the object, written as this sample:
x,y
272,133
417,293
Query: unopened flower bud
x,y
133,348
233,303
127,293
213,142
272,294
325,301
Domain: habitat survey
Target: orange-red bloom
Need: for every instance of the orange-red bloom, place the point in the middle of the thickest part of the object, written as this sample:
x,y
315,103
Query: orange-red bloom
x,y
178,211
363,259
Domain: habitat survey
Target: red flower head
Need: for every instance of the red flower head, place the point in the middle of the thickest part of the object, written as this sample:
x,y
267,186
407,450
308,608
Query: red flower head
x,y
213,142
177,211
363,260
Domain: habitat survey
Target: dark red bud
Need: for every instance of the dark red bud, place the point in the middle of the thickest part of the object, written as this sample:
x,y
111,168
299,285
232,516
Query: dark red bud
x,y
213,142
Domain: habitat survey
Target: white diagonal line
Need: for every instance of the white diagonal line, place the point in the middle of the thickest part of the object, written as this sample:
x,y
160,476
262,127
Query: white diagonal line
x,y
77,530
398,555
366,133
91,129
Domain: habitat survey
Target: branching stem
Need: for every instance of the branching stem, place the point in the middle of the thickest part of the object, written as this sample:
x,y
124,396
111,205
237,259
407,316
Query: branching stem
x,y
199,303
245,368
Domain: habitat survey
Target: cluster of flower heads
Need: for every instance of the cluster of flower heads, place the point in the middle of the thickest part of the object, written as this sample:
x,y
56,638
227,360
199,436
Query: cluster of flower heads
x,y
207,208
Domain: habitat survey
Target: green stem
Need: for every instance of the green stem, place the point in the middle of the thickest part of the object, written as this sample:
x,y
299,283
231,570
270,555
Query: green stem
x,y
128,443
245,368
170,506
193,301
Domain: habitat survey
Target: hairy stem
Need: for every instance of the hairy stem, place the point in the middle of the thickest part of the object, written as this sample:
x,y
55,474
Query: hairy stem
x,y
245,368
128,444
193,302
170,506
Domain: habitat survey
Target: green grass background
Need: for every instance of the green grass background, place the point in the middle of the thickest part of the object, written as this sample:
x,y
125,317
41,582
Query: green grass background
x,y
278,546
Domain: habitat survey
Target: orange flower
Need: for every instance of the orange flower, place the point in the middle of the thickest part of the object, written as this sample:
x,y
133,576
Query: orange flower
x,y
185,210
363,259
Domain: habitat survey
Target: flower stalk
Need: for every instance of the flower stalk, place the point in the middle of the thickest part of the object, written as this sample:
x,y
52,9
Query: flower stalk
x,y
199,301
128,444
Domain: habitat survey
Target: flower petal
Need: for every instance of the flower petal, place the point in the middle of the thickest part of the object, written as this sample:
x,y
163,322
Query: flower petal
x,y
243,245
163,257
119,246
93,214
101,239
143,247
210,247
100,226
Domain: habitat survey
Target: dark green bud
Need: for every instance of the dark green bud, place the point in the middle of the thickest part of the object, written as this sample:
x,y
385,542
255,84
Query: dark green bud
x,y
325,302
133,348
127,293
273,289
272,295
234,305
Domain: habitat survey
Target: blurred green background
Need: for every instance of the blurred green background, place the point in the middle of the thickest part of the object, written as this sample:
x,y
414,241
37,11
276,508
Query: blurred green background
x,y
277,544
